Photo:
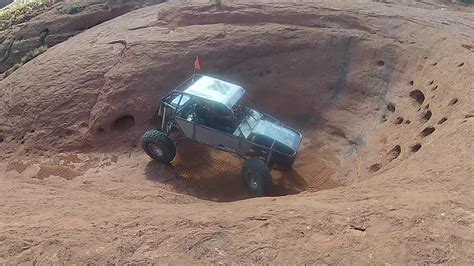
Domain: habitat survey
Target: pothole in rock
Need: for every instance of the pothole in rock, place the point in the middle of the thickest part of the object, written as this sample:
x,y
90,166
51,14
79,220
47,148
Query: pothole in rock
x,y
374,168
442,120
416,147
427,131
394,153
453,102
426,116
391,107
398,120
123,123
417,96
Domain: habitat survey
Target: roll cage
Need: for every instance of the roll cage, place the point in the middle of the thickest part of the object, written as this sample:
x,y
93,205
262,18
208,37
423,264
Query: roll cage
x,y
241,141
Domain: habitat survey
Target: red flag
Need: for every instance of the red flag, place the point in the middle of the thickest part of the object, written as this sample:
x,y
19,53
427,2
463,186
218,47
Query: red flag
x,y
197,64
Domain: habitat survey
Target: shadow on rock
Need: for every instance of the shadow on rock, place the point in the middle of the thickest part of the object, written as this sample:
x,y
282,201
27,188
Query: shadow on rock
x,y
287,183
217,180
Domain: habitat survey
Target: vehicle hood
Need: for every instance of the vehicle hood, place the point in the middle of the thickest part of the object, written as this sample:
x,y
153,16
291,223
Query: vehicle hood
x,y
279,132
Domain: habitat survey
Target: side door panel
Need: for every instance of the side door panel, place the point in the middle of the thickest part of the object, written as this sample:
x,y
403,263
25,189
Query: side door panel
x,y
217,139
213,137
186,126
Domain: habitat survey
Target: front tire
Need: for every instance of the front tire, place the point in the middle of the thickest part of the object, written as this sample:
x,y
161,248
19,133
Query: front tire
x,y
158,146
256,176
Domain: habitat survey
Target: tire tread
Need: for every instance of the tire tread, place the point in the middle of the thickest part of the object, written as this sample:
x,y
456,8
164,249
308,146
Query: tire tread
x,y
161,139
262,171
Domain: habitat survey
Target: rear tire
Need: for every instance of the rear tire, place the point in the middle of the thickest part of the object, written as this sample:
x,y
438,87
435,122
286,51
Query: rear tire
x,y
158,146
256,176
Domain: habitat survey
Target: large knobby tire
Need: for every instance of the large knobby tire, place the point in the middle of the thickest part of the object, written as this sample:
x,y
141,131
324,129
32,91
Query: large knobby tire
x,y
158,146
256,176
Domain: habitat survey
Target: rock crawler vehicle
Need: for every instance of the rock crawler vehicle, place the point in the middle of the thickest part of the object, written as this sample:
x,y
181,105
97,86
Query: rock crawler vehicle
x,y
209,110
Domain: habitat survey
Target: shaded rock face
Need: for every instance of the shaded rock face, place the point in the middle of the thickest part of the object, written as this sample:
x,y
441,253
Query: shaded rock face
x,y
55,26
123,68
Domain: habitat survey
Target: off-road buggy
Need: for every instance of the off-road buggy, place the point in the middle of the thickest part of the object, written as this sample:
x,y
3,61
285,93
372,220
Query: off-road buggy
x,y
209,111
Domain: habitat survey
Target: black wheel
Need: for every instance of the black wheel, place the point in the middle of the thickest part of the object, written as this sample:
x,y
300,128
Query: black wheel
x,y
256,176
286,163
158,146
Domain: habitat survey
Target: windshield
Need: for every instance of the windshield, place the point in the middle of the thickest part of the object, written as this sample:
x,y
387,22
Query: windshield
x,y
249,122
278,132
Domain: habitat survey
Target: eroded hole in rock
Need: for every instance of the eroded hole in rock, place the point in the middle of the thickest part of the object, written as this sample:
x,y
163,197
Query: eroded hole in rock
x,y
391,107
460,65
374,168
398,120
1,139
380,63
418,96
427,131
453,102
412,82
32,131
431,82
427,106
434,64
407,122
416,147
442,120
395,152
383,119
100,130
123,123
434,88
426,116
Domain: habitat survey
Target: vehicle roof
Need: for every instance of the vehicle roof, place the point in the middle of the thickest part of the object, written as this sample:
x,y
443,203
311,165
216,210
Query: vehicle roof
x,y
216,90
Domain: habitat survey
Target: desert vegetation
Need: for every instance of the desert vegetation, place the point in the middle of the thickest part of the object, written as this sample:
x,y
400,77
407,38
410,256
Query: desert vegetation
x,y
23,11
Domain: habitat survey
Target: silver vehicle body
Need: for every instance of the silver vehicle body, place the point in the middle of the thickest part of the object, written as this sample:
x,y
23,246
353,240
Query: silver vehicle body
x,y
255,133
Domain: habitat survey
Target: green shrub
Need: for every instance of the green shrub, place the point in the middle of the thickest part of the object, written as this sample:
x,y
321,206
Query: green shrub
x,y
74,9
27,57
8,51
22,11
33,53
467,2
16,66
